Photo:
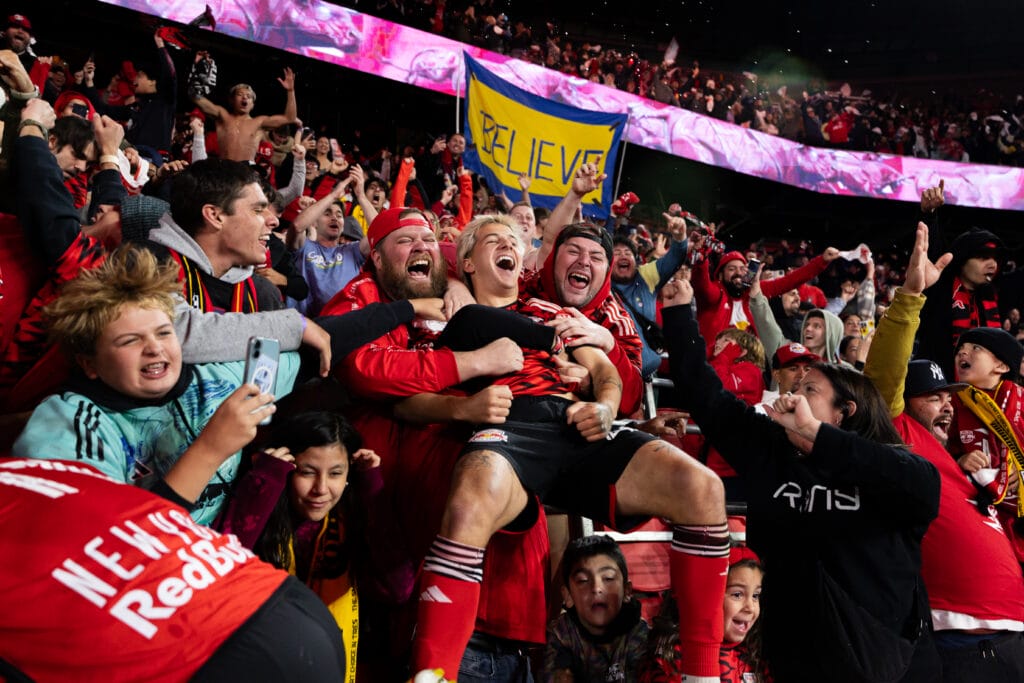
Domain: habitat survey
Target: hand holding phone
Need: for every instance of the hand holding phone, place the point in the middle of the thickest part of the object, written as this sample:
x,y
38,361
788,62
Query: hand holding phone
x,y
261,362
753,269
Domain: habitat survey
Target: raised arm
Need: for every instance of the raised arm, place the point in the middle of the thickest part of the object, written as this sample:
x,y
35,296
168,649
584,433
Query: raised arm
x,y
406,172
729,423
45,209
297,182
886,364
805,273
587,179
524,184
768,330
291,109
358,177
201,81
308,217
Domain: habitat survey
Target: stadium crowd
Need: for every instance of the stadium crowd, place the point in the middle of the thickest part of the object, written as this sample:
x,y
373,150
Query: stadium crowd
x,y
982,127
282,411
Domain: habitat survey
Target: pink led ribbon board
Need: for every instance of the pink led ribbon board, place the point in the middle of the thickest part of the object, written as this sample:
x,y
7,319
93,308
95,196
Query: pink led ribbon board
x,y
358,41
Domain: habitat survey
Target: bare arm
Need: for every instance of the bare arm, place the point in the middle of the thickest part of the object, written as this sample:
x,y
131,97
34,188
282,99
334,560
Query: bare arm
x,y
594,419
524,185
309,216
291,109
587,180
488,406
232,426
210,109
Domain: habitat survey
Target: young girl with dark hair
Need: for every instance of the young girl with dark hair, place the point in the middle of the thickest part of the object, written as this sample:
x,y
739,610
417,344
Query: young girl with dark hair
x,y
294,510
740,657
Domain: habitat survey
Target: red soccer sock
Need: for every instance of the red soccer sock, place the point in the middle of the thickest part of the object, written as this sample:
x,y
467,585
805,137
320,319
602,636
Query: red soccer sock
x,y
449,597
699,565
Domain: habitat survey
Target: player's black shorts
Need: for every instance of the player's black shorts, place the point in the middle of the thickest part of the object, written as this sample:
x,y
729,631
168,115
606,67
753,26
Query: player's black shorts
x,y
554,461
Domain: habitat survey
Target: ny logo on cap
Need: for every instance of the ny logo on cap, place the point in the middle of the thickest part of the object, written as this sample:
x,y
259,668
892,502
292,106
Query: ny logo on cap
x,y
937,373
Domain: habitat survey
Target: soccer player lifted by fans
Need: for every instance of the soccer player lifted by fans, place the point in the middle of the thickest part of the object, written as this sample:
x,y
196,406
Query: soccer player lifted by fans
x,y
619,478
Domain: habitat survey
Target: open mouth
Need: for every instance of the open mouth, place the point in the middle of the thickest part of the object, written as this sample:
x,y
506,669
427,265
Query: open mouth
x,y
578,280
741,626
155,370
419,268
506,262
942,424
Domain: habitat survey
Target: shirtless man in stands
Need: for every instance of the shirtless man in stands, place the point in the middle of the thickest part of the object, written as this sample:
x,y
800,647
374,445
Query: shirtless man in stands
x,y
238,131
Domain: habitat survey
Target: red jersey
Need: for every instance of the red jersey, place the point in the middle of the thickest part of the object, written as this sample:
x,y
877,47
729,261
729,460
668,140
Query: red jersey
x,y
26,353
978,585
387,368
968,432
605,310
539,376
417,463
121,583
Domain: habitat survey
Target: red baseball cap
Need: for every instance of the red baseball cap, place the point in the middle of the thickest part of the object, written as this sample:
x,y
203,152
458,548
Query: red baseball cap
x,y
389,220
19,20
787,354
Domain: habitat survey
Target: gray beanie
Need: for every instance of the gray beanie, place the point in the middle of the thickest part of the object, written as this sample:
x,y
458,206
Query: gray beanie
x,y
139,215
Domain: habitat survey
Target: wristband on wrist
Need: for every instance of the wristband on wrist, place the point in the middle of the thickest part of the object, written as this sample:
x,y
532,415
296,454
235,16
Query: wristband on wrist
x,y
109,159
31,94
32,122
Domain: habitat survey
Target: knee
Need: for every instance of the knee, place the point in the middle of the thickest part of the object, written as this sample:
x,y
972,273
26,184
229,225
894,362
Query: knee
x,y
701,492
478,493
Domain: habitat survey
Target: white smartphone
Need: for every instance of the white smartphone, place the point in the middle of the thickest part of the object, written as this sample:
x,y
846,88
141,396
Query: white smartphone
x,y
261,360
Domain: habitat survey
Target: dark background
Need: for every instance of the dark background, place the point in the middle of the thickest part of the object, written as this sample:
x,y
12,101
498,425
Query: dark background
x,y
946,47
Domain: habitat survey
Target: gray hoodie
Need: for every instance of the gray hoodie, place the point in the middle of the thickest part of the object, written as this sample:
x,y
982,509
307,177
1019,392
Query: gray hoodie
x,y
221,337
833,333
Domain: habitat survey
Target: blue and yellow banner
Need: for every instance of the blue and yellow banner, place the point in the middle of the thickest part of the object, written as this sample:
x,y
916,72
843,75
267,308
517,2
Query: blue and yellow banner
x,y
510,131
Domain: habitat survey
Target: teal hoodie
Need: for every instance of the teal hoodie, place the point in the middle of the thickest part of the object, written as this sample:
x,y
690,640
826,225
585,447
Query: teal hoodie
x,y
137,442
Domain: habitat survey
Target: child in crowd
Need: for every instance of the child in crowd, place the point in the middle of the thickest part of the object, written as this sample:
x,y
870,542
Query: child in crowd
x,y
738,358
600,636
135,410
987,433
291,508
741,649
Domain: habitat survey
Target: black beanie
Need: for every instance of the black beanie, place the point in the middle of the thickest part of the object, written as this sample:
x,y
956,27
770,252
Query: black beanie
x,y
590,232
1000,343
975,243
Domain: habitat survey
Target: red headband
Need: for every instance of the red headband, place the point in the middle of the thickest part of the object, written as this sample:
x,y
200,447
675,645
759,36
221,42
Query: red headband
x,y
389,220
